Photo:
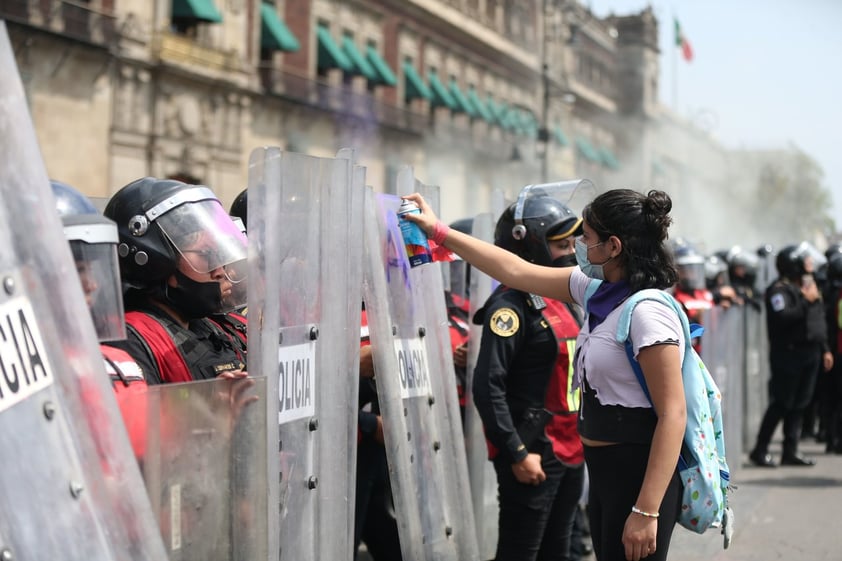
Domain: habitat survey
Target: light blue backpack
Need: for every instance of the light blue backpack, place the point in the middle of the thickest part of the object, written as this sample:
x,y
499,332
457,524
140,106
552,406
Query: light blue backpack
x,y
702,466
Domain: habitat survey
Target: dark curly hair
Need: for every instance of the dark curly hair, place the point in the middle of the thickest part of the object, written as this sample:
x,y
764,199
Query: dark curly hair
x,y
641,222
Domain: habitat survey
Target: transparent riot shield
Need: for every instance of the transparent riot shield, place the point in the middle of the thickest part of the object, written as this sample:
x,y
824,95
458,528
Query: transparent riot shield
x,y
415,385
726,355
203,467
480,469
576,194
302,334
70,485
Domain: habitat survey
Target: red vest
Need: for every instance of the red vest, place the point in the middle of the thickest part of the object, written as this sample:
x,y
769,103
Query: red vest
x,y
130,390
560,397
168,359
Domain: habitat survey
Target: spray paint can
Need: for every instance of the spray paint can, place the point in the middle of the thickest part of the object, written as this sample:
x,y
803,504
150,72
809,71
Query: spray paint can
x,y
414,238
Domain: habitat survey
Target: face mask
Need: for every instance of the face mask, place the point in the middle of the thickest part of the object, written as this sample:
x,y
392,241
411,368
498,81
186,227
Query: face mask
x,y
591,270
194,299
568,260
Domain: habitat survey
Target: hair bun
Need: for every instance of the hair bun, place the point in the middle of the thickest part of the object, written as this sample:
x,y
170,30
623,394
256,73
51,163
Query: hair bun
x,y
656,208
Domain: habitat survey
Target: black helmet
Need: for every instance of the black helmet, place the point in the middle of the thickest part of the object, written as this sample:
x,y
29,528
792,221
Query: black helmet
x,y
833,249
742,265
790,262
544,218
464,225
834,269
160,221
240,207
716,271
93,242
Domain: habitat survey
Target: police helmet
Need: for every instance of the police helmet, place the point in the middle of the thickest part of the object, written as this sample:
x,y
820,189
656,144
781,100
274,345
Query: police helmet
x,y
742,265
716,271
460,271
834,269
790,262
93,241
690,264
164,221
833,249
240,207
544,218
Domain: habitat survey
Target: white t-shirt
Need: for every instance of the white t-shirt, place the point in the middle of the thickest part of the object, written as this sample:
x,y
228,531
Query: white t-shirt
x,y
604,359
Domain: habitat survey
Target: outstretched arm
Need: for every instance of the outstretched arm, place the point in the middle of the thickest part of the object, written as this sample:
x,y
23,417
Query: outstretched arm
x,y
506,267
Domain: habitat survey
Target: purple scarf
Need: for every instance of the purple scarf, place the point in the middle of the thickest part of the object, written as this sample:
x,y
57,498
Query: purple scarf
x,y
608,296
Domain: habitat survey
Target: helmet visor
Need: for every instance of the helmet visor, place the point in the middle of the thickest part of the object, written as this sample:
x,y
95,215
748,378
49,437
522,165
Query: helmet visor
x,y
99,274
691,275
207,238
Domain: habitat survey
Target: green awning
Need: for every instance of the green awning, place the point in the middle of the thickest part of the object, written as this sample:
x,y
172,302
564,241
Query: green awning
x,y
528,123
502,114
202,10
608,158
358,61
587,150
415,86
480,106
384,73
462,103
330,55
274,34
441,97
560,137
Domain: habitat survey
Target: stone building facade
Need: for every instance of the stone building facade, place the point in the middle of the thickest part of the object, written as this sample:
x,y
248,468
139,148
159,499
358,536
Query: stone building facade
x,y
476,95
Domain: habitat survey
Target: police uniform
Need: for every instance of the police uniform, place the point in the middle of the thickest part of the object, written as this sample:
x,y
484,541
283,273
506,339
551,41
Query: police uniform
x,y
523,373
167,352
797,338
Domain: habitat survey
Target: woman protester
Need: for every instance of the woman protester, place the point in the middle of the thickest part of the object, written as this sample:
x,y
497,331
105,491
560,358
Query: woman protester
x,y
631,453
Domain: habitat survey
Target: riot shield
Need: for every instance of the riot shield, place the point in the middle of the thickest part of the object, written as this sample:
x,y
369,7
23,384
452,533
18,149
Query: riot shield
x,y
205,450
303,333
576,194
415,386
480,469
70,485
726,356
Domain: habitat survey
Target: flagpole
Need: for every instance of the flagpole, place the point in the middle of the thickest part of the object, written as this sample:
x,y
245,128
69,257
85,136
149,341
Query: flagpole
x,y
674,67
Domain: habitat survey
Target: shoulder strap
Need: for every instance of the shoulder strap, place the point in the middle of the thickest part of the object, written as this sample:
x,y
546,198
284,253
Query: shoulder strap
x,y
161,344
590,291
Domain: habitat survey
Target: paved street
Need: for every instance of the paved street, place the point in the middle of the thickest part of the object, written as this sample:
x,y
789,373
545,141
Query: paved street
x,y
783,513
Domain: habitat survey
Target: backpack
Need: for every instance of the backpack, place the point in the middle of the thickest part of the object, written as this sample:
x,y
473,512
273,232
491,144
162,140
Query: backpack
x,y
702,464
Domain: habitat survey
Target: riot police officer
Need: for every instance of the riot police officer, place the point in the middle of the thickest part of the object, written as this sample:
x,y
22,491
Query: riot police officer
x,y
182,259
93,241
522,390
797,348
742,274
833,388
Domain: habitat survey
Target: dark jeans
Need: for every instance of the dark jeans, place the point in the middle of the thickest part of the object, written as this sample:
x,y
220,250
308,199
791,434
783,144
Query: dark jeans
x,y
794,373
536,521
375,522
616,475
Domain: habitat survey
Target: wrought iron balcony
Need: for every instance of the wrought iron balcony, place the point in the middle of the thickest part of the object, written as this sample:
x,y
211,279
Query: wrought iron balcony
x,y
67,18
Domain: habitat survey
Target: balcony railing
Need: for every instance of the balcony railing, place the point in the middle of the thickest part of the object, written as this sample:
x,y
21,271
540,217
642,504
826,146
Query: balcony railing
x,y
75,20
341,99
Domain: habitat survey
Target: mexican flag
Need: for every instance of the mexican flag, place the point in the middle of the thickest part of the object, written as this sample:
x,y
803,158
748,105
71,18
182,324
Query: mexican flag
x,y
681,41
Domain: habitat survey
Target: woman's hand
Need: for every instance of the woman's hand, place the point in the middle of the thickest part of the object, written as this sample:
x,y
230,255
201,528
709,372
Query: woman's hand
x,y
639,536
427,219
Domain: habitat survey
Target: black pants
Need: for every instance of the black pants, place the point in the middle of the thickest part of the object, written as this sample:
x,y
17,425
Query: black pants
x,y
374,520
794,373
536,521
616,475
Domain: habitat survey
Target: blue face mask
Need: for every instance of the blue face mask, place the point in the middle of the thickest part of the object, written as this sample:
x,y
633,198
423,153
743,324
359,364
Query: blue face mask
x,y
588,268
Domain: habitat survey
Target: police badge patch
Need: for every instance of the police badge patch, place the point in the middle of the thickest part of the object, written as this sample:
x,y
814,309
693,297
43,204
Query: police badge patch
x,y
778,302
504,322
